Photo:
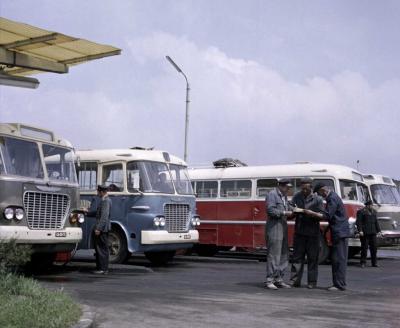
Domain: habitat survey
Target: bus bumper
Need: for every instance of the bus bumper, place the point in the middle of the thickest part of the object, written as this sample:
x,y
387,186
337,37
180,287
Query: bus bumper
x,y
164,237
24,235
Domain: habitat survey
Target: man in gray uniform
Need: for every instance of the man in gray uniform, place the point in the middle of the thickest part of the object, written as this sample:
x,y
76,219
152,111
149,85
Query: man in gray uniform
x,y
101,229
278,210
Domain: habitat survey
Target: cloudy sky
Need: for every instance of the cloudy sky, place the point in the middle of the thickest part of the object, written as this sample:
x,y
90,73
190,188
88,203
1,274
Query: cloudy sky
x,y
271,81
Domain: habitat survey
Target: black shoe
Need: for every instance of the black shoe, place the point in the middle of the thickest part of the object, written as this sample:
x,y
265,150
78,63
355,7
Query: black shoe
x,y
362,265
295,284
375,265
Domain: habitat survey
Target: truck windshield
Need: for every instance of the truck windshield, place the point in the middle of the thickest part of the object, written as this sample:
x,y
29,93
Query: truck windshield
x,y
385,194
181,179
149,176
59,163
20,157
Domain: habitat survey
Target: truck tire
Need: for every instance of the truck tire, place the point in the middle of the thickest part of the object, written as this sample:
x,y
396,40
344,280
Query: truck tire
x,y
160,258
117,245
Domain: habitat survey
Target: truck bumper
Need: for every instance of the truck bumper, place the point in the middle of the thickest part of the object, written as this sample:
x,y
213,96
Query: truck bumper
x,y
164,237
24,235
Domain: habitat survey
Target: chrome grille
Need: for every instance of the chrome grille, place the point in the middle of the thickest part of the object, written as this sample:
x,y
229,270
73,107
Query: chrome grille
x,y
177,217
46,211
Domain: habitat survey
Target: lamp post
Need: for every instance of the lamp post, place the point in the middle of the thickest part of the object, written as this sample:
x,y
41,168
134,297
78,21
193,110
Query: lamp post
x,y
187,104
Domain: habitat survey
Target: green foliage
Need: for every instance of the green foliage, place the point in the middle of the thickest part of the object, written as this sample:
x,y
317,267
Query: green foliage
x,y
13,255
25,303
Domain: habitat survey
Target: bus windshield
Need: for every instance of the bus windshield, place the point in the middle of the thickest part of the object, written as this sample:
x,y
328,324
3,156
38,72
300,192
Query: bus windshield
x,y
385,194
59,163
20,157
149,176
181,179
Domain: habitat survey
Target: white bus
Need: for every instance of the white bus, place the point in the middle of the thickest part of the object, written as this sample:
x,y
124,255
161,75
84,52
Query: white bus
x,y
386,199
39,195
231,202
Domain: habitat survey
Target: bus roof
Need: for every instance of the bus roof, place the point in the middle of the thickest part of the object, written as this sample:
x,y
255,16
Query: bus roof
x,y
127,155
33,133
286,170
371,179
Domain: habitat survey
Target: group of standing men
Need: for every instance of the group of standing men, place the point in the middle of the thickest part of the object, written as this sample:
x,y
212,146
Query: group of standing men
x,y
308,208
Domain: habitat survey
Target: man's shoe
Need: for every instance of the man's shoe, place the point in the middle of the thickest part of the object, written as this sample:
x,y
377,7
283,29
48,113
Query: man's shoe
x,y
282,285
270,285
375,265
100,272
311,286
362,265
335,289
295,284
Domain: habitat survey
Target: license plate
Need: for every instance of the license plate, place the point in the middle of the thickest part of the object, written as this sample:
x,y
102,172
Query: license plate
x,y
61,234
188,236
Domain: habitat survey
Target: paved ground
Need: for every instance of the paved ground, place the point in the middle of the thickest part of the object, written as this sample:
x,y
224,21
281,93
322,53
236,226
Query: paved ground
x,y
200,292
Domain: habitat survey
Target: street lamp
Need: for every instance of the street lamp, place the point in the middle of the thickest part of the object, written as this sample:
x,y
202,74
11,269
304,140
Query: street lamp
x,y
187,104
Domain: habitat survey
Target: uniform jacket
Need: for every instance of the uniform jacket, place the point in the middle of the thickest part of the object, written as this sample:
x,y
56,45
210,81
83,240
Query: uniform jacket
x,y
367,221
307,225
336,215
276,204
103,214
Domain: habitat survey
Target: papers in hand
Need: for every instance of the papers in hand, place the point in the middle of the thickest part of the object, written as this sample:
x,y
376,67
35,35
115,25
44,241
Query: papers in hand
x,y
298,210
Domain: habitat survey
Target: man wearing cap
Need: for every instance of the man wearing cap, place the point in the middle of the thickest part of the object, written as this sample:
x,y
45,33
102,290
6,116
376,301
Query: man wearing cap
x,y
101,229
278,210
336,215
368,227
308,208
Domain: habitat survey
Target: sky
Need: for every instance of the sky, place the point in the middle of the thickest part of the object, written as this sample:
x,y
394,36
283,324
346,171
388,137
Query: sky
x,y
272,82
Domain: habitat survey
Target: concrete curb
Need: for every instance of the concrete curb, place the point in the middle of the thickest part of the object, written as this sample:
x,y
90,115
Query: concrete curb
x,y
87,319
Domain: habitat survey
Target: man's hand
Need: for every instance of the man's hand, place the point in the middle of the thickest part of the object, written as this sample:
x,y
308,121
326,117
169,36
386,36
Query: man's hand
x,y
97,232
84,210
361,234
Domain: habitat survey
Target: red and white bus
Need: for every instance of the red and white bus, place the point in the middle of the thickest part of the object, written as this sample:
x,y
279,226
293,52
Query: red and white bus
x,y
231,202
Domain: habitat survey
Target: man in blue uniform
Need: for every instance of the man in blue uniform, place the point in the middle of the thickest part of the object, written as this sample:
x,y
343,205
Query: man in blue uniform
x,y
101,229
335,213
308,208
278,210
368,227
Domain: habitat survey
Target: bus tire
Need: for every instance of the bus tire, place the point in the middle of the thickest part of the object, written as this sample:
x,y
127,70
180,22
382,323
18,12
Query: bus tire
x,y
160,258
117,246
206,250
324,250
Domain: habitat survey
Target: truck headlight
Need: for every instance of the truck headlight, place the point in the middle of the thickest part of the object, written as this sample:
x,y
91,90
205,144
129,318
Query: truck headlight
x,y
19,214
81,218
195,221
9,213
73,218
162,221
156,221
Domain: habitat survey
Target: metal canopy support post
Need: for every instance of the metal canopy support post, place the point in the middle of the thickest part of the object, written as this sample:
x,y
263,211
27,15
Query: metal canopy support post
x,y
12,58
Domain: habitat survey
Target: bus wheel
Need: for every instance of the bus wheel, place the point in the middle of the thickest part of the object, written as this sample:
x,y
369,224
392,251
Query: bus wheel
x,y
42,261
206,250
323,251
160,258
117,245
353,251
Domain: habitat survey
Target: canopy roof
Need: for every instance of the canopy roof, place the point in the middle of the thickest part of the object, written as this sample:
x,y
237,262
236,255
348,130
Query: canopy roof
x,y
27,50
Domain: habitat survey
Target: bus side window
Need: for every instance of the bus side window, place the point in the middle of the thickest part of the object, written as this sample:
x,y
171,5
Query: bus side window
x,y
87,176
328,182
207,189
113,177
348,190
264,186
236,189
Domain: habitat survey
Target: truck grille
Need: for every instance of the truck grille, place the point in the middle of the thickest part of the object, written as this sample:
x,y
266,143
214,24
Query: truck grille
x,y
177,217
46,211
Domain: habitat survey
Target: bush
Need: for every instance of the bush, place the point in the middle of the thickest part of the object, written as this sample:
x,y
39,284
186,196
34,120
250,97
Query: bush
x,y
27,304
13,255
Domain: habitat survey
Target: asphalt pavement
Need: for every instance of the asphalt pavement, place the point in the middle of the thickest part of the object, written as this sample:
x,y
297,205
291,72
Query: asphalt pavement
x,y
221,292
